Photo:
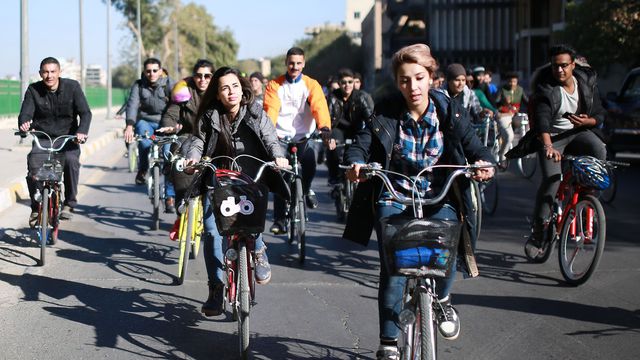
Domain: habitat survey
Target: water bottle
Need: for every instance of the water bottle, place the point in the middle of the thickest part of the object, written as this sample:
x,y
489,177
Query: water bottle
x,y
413,257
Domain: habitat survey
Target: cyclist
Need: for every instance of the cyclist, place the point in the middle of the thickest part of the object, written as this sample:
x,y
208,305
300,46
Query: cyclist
x,y
180,116
53,105
148,98
257,87
231,123
510,98
293,101
409,132
565,109
349,108
455,87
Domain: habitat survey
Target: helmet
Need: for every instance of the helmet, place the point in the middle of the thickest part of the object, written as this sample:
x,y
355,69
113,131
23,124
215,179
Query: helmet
x,y
590,172
180,92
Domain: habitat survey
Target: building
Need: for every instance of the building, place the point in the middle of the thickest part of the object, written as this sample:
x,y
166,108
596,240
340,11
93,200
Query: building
x,y
356,11
95,76
69,68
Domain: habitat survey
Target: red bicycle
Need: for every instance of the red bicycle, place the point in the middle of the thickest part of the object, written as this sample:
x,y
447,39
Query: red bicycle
x,y
577,221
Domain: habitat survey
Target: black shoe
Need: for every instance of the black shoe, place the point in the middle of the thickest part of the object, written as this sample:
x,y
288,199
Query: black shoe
x,y
278,227
312,200
448,320
170,205
213,305
66,213
141,177
263,269
388,353
33,219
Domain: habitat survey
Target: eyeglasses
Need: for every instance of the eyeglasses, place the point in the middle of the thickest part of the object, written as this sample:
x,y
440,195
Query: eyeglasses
x,y
561,66
149,71
203,75
345,82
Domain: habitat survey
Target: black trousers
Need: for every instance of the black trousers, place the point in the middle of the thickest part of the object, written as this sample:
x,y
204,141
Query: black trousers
x,y
69,156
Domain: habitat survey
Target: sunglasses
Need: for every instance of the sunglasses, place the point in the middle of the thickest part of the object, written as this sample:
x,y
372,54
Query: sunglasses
x,y
561,66
203,76
345,82
149,71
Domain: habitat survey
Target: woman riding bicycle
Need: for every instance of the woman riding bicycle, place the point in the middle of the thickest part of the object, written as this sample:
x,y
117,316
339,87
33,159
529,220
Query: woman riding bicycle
x,y
408,132
230,123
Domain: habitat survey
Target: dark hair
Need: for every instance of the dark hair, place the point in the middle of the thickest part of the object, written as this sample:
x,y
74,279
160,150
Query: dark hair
x,y
345,72
203,63
210,100
357,75
295,51
152,61
562,49
49,60
511,75
258,75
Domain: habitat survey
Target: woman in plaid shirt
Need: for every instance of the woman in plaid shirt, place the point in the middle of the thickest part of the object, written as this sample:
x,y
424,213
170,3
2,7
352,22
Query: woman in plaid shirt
x,y
414,129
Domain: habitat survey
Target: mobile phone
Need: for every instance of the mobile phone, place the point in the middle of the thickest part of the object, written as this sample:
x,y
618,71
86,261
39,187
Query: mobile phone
x,y
566,115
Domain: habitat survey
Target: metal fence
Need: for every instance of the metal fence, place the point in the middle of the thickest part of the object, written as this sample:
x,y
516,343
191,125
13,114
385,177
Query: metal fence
x,y
96,96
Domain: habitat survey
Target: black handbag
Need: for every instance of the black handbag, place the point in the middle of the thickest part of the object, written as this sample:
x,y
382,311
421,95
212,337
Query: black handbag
x,y
527,145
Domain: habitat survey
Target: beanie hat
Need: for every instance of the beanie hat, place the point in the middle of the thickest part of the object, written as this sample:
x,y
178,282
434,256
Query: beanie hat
x,y
180,92
257,75
455,70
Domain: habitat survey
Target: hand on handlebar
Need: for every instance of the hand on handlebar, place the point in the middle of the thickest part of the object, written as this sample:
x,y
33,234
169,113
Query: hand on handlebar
x,y
81,138
326,138
353,173
282,163
26,126
484,173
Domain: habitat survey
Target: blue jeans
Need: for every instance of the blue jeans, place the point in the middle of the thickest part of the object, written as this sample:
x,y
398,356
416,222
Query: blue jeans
x,y
392,286
144,145
169,189
213,243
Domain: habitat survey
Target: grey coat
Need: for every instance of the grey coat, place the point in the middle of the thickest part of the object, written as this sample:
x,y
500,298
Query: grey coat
x,y
148,102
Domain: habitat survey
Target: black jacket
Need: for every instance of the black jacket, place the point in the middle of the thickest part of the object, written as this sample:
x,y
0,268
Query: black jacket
x,y
349,115
374,143
56,113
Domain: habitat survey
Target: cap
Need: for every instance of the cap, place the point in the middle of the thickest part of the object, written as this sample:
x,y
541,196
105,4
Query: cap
x,y
478,69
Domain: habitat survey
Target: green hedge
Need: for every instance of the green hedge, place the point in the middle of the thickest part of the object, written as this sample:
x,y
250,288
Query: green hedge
x,y
96,96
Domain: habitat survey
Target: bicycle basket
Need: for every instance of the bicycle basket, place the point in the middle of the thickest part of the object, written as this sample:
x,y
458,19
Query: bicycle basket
x,y
590,172
239,204
51,169
430,245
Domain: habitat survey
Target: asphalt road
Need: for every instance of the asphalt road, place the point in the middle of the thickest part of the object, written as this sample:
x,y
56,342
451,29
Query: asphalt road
x,y
107,291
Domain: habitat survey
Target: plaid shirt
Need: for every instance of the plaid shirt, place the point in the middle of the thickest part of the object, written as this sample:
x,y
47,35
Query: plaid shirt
x,y
418,145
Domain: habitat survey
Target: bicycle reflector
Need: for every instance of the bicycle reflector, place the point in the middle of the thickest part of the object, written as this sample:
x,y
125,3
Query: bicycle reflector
x,y
590,172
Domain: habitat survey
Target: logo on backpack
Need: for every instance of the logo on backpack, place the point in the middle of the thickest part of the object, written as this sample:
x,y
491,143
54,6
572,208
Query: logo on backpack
x,y
229,207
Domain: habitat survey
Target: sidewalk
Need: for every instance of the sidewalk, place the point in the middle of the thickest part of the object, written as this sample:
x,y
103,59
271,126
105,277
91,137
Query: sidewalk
x,y
13,152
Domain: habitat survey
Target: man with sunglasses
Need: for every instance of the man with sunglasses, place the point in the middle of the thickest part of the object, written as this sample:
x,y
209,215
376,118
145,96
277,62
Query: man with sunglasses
x,y
180,118
349,108
147,101
565,109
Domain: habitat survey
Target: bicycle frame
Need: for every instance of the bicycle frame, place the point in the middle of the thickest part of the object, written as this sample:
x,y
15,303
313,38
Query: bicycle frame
x,y
231,267
567,198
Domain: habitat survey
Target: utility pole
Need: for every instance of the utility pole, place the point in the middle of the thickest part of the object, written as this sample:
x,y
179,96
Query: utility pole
x,y
24,48
139,40
82,77
175,40
109,92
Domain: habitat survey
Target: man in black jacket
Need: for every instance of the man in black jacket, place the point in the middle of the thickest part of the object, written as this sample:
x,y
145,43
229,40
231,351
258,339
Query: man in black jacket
x,y
566,107
53,105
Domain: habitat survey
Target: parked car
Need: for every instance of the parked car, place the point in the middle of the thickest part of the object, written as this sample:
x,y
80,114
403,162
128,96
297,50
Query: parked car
x,y
622,126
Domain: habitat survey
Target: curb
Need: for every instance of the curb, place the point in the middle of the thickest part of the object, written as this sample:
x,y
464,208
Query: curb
x,y
17,188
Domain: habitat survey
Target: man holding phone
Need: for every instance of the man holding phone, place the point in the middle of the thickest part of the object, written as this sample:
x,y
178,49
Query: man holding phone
x,y
566,109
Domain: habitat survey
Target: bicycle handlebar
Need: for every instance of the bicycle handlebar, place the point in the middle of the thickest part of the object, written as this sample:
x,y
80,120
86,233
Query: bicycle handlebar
x,y
50,149
207,162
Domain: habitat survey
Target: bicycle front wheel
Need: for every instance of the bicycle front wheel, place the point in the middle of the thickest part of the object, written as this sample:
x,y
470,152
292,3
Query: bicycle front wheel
x,y
54,219
156,198
427,334
609,194
132,155
243,299
45,206
198,229
184,243
582,240
300,222
489,195
477,200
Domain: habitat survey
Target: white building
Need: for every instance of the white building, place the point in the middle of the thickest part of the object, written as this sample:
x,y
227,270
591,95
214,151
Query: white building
x,y
356,11
95,76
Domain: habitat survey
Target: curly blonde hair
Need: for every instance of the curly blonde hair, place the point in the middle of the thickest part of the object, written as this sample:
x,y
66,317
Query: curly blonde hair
x,y
414,54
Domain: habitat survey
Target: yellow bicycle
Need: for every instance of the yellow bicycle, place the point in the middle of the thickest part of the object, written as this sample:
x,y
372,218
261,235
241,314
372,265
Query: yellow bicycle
x,y
189,234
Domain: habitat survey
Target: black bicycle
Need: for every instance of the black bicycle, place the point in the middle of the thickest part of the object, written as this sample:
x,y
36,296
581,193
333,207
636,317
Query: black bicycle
x,y
342,192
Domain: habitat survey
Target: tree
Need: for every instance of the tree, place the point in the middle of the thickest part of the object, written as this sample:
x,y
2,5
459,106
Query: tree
x,y
605,32
123,76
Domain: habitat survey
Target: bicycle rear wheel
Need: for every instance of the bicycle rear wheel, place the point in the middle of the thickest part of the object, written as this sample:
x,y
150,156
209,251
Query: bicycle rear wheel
x,y
527,165
489,195
44,224
156,198
184,240
582,240
132,155
243,299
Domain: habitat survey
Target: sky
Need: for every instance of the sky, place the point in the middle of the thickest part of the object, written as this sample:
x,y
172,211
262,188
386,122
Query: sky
x,y
263,28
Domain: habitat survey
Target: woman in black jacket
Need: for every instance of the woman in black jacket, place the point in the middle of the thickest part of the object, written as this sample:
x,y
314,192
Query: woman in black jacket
x,y
405,135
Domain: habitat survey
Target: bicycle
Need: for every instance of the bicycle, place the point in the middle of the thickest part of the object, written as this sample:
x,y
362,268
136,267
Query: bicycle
x,y
190,231
156,162
527,165
132,155
240,206
342,193
577,221
487,130
422,250
51,198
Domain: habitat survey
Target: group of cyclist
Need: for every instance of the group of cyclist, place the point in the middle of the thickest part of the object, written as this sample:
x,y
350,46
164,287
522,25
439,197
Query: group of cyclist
x,y
425,121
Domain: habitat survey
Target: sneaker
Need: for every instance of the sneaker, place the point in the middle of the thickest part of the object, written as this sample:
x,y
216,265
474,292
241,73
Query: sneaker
x,y
312,201
278,227
387,353
66,213
213,305
141,177
33,219
263,269
448,320
170,205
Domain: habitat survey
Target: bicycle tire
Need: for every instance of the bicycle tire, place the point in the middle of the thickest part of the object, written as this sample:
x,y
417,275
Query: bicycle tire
x,y
197,230
156,198
489,195
243,299
54,219
300,222
427,329
609,194
475,192
292,214
132,155
527,165
186,229
43,232
570,248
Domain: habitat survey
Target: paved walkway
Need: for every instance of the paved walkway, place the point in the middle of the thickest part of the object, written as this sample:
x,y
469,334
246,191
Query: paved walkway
x,y
13,152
